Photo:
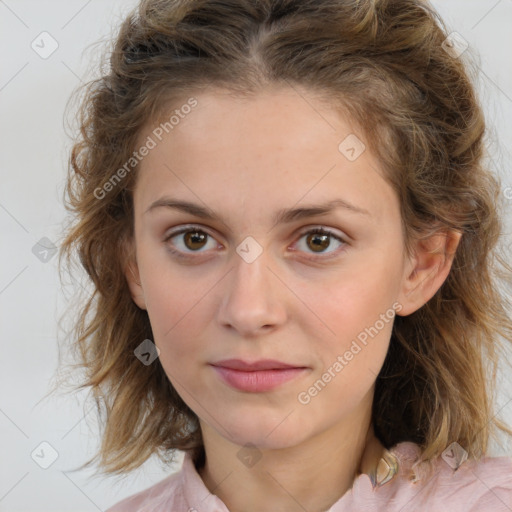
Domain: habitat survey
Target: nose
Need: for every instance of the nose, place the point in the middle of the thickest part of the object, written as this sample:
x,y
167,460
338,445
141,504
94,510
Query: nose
x,y
253,297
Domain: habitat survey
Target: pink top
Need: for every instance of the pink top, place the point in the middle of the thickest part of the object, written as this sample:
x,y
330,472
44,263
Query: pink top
x,y
483,486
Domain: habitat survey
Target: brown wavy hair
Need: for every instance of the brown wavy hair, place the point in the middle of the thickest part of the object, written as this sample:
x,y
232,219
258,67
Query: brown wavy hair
x,y
386,64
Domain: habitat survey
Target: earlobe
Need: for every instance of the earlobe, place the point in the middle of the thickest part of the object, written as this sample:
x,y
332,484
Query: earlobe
x,y
427,270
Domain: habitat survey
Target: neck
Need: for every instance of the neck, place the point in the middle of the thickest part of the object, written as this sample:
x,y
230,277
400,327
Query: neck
x,y
311,476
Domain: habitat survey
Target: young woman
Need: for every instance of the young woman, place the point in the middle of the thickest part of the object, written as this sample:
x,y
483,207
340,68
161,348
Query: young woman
x,y
283,208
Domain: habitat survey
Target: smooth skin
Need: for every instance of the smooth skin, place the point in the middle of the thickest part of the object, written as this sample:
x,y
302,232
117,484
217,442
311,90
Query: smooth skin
x,y
247,159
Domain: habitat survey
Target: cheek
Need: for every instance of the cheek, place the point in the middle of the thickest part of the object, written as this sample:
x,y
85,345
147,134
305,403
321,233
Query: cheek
x,y
348,302
176,323
175,308
352,324
176,327
349,366
172,293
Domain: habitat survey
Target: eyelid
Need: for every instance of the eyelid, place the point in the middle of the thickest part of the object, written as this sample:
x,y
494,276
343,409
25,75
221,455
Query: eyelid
x,y
304,231
186,227
323,256
183,228
331,231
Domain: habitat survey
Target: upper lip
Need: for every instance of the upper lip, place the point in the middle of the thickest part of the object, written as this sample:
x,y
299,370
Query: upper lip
x,y
262,364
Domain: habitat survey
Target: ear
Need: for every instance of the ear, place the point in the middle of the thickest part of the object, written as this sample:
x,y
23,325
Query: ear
x,y
131,272
427,270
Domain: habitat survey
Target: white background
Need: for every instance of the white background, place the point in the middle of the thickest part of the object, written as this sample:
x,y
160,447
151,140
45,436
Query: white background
x,y
33,159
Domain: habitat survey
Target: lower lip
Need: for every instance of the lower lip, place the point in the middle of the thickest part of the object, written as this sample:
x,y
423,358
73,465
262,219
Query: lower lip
x,y
257,381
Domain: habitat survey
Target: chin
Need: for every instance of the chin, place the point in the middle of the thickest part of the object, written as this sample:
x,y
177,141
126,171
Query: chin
x,y
262,442
265,433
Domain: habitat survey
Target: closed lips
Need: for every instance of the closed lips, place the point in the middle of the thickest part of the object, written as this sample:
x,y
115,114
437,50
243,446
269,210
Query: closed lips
x,y
238,364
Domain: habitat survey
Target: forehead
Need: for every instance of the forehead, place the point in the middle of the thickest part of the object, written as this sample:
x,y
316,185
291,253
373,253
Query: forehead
x,y
280,143
278,116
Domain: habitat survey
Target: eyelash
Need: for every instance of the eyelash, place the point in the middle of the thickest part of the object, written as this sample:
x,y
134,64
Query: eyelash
x,y
317,230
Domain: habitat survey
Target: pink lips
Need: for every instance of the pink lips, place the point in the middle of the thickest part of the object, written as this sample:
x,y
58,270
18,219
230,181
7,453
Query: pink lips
x,y
258,376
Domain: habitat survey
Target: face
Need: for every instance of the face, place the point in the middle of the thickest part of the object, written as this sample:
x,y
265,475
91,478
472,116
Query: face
x,y
253,283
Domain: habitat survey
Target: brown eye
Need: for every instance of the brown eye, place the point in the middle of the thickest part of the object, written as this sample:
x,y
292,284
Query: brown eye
x,y
318,241
186,241
195,240
189,240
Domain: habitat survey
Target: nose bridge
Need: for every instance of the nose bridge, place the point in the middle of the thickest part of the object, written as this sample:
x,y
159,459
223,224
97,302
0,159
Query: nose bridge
x,y
251,297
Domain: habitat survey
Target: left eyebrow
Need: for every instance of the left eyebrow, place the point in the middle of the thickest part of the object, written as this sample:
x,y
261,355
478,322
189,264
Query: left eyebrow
x,y
283,216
